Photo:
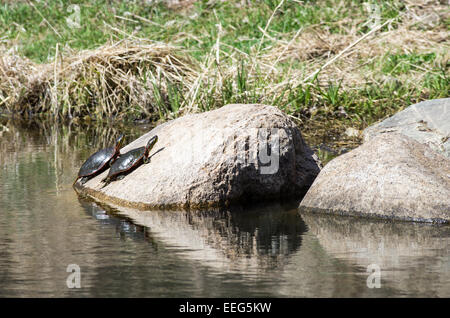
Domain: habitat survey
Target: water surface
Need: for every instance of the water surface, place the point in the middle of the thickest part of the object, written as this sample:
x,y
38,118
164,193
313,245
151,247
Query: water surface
x,y
263,251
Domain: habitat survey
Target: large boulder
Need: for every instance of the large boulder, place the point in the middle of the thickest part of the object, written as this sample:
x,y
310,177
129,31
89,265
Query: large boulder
x,y
232,154
427,122
391,176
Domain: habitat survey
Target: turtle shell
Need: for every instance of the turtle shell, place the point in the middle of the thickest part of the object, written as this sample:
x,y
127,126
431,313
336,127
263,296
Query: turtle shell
x,y
127,161
97,162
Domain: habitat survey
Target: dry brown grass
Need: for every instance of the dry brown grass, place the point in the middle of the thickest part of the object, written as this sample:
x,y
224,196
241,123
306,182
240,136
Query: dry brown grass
x,y
112,80
15,79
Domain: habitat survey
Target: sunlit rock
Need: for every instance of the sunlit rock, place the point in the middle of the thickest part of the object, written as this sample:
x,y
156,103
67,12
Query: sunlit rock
x,y
427,122
235,153
391,176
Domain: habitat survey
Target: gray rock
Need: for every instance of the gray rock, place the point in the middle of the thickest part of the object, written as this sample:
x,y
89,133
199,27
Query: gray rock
x,y
214,159
391,176
427,122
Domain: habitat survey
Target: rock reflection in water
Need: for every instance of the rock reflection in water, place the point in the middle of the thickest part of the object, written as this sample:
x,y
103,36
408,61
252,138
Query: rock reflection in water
x,y
230,240
302,255
410,255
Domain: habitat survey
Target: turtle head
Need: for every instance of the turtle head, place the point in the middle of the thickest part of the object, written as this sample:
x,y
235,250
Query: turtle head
x,y
119,142
150,145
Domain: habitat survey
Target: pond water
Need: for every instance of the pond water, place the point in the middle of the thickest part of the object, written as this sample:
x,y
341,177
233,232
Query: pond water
x,y
264,251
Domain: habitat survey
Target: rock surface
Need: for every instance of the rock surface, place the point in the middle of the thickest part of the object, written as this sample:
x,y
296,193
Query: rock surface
x,y
427,122
216,158
391,176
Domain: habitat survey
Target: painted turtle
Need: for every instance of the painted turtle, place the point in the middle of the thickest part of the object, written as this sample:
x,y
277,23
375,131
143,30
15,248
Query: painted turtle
x,y
129,161
99,161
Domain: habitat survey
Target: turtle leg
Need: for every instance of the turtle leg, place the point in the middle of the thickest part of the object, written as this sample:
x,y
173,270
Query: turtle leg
x,y
75,181
106,181
120,177
84,180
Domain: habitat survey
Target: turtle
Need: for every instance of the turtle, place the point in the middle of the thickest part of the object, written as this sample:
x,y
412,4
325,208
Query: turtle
x,y
99,161
129,161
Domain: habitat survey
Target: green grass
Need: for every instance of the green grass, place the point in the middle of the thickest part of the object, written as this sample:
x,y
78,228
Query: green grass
x,y
394,79
395,64
24,24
